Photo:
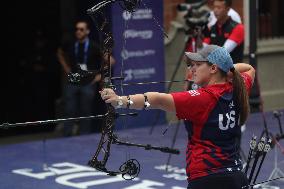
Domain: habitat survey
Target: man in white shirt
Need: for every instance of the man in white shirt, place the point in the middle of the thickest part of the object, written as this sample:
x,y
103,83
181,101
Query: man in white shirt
x,y
212,18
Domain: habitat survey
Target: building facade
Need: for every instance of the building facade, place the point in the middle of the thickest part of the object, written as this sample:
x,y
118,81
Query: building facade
x,y
270,46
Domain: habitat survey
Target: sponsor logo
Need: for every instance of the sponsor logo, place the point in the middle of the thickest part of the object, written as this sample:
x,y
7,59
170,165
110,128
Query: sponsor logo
x,y
139,73
125,54
71,175
231,105
193,93
145,34
140,14
126,15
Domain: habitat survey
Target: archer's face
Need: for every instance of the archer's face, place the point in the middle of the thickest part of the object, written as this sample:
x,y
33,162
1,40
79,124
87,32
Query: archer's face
x,y
82,30
201,72
220,10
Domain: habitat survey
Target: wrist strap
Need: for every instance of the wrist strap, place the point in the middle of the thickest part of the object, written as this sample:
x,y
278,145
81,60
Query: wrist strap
x,y
129,102
119,102
146,102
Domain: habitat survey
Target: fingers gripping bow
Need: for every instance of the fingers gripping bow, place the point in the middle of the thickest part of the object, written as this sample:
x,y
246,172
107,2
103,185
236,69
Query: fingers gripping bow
x,y
131,168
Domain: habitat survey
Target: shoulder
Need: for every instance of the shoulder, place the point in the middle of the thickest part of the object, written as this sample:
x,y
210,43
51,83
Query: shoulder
x,y
234,15
198,96
235,25
216,91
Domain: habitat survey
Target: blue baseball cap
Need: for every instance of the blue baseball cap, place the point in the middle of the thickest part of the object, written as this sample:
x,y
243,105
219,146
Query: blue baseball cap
x,y
215,55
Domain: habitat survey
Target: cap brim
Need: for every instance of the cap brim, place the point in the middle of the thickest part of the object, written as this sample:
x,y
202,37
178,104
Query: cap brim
x,y
195,57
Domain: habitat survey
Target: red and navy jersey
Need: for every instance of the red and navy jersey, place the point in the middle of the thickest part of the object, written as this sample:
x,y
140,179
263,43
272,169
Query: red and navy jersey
x,y
214,115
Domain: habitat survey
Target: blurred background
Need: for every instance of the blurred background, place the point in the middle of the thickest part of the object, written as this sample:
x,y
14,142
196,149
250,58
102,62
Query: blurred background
x,y
42,40
31,76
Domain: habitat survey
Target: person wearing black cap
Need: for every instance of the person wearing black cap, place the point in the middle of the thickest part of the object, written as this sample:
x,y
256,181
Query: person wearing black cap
x,y
216,111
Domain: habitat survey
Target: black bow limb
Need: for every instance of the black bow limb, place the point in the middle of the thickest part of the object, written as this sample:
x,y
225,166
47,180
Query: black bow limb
x,y
131,168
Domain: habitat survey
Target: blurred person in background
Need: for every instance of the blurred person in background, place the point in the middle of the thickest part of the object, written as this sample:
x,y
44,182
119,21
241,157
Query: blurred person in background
x,y
212,18
226,32
78,100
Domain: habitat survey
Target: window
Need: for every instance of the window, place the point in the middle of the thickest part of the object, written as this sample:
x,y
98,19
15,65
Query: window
x,y
270,15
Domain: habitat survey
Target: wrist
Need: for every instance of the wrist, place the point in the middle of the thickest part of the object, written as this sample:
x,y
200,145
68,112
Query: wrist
x,y
119,102
129,102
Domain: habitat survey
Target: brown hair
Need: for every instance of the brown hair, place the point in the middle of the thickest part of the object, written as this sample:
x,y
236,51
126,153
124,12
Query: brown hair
x,y
240,93
240,96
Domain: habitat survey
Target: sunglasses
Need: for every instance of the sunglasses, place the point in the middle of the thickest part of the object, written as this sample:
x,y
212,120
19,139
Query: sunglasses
x,y
80,29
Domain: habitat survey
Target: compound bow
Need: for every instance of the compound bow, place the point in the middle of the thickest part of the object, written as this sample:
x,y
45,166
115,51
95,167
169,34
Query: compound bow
x,y
130,169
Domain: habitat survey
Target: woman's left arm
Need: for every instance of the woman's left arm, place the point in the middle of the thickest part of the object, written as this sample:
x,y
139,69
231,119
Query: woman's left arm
x,y
154,100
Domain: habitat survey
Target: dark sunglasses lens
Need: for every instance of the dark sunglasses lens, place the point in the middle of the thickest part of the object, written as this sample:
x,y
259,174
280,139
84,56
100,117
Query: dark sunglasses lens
x,y
80,29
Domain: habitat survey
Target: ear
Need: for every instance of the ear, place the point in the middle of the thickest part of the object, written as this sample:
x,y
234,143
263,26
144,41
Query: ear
x,y
213,69
88,31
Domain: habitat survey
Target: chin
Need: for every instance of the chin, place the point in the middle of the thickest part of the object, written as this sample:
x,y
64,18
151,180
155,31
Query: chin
x,y
201,83
198,83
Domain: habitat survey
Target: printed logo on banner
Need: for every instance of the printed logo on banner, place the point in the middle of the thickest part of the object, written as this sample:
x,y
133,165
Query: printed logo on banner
x,y
125,54
76,176
139,73
139,14
143,34
126,15
140,40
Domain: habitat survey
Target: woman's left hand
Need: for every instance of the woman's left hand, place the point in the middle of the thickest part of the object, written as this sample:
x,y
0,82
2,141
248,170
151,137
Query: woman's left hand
x,y
109,96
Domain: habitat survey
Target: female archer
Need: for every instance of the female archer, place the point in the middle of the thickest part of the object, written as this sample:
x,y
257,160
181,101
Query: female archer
x,y
216,111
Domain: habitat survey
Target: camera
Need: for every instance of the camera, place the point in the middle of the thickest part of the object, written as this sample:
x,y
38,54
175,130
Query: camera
x,y
196,17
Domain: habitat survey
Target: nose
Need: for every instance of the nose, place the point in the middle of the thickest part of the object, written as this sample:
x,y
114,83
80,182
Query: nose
x,y
193,68
215,11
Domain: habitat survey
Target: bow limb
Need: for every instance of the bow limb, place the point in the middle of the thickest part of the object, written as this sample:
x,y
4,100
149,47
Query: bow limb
x,y
130,169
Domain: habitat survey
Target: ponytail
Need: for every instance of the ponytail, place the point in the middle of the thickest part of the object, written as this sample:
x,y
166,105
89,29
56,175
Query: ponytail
x,y
240,95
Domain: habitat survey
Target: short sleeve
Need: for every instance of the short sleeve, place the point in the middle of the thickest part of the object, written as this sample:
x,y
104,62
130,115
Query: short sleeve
x,y
238,34
191,105
247,80
207,40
